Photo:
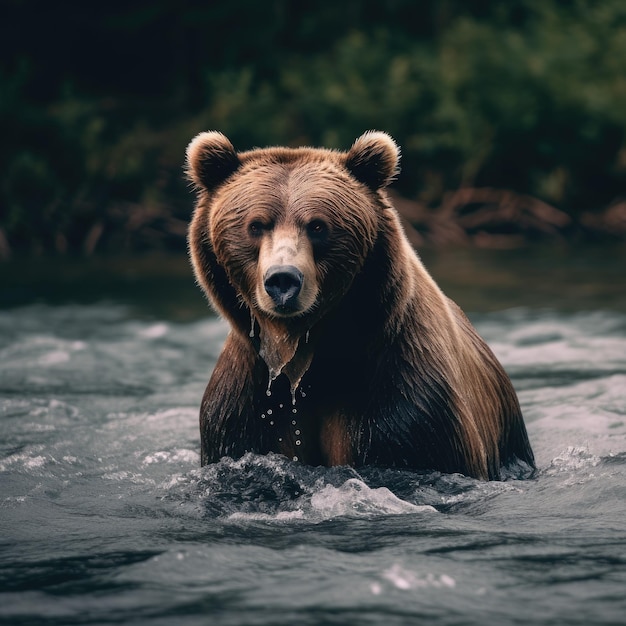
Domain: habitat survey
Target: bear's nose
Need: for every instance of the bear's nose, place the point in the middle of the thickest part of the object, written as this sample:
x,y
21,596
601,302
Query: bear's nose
x,y
283,283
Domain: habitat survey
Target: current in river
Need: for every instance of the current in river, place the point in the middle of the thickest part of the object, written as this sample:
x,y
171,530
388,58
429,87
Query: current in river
x,y
107,518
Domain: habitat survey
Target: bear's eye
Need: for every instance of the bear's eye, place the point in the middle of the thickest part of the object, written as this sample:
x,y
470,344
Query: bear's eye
x,y
256,228
317,229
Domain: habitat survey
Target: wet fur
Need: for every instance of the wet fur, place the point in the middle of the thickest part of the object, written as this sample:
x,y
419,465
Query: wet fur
x,y
393,372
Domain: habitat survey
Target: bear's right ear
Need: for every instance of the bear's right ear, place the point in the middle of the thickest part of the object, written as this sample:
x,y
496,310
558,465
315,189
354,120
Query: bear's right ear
x,y
211,159
373,159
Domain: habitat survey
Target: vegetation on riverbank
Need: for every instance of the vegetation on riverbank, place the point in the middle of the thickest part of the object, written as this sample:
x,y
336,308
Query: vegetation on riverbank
x,y
511,114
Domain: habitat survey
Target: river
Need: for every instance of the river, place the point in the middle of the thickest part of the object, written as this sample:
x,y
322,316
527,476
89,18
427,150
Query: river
x,y
107,518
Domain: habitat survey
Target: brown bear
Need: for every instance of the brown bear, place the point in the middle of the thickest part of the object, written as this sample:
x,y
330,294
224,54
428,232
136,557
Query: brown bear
x,y
342,350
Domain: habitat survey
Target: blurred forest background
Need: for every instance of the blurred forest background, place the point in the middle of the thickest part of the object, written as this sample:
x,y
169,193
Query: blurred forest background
x,y
511,114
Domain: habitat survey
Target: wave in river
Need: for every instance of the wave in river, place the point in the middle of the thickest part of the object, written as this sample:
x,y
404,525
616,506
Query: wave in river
x,y
106,516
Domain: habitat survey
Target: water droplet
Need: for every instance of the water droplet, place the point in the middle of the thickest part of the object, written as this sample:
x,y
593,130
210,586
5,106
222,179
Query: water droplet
x,y
280,406
295,458
262,416
280,439
273,375
298,442
271,422
294,410
293,422
306,337
303,393
269,411
297,431
252,320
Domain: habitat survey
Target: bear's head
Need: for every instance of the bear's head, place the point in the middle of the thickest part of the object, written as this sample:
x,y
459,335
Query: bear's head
x,y
279,234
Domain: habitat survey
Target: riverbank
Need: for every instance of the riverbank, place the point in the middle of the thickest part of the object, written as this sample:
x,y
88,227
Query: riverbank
x,y
559,276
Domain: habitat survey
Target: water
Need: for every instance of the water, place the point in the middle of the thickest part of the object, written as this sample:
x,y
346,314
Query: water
x,y
106,517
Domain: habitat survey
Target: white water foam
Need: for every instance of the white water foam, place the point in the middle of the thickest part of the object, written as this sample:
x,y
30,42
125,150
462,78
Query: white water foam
x,y
155,331
353,499
404,579
182,455
26,461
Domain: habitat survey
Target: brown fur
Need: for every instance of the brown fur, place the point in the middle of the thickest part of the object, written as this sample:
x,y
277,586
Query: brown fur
x,y
383,368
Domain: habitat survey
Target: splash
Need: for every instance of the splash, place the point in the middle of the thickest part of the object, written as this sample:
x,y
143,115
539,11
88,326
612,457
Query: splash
x,y
355,499
575,460
321,501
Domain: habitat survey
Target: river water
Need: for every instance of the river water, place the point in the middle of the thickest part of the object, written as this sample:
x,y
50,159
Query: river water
x,y
107,518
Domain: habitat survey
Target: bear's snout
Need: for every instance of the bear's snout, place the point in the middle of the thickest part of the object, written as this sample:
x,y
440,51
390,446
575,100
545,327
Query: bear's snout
x,y
283,284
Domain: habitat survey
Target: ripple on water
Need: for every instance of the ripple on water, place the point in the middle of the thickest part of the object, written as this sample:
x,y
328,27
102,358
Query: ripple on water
x,y
106,516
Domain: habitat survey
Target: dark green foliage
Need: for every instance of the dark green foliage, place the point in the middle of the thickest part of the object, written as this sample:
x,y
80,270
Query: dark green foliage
x,y
97,102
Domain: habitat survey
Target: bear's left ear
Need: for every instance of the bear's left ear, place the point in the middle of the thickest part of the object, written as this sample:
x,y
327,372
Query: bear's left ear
x,y
211,159
373,159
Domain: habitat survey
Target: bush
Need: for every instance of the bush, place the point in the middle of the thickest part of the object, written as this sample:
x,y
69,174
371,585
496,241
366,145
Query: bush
x,y
523,95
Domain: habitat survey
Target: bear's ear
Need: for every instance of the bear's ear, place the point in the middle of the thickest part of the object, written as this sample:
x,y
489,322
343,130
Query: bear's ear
x,y
373,159
211,159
